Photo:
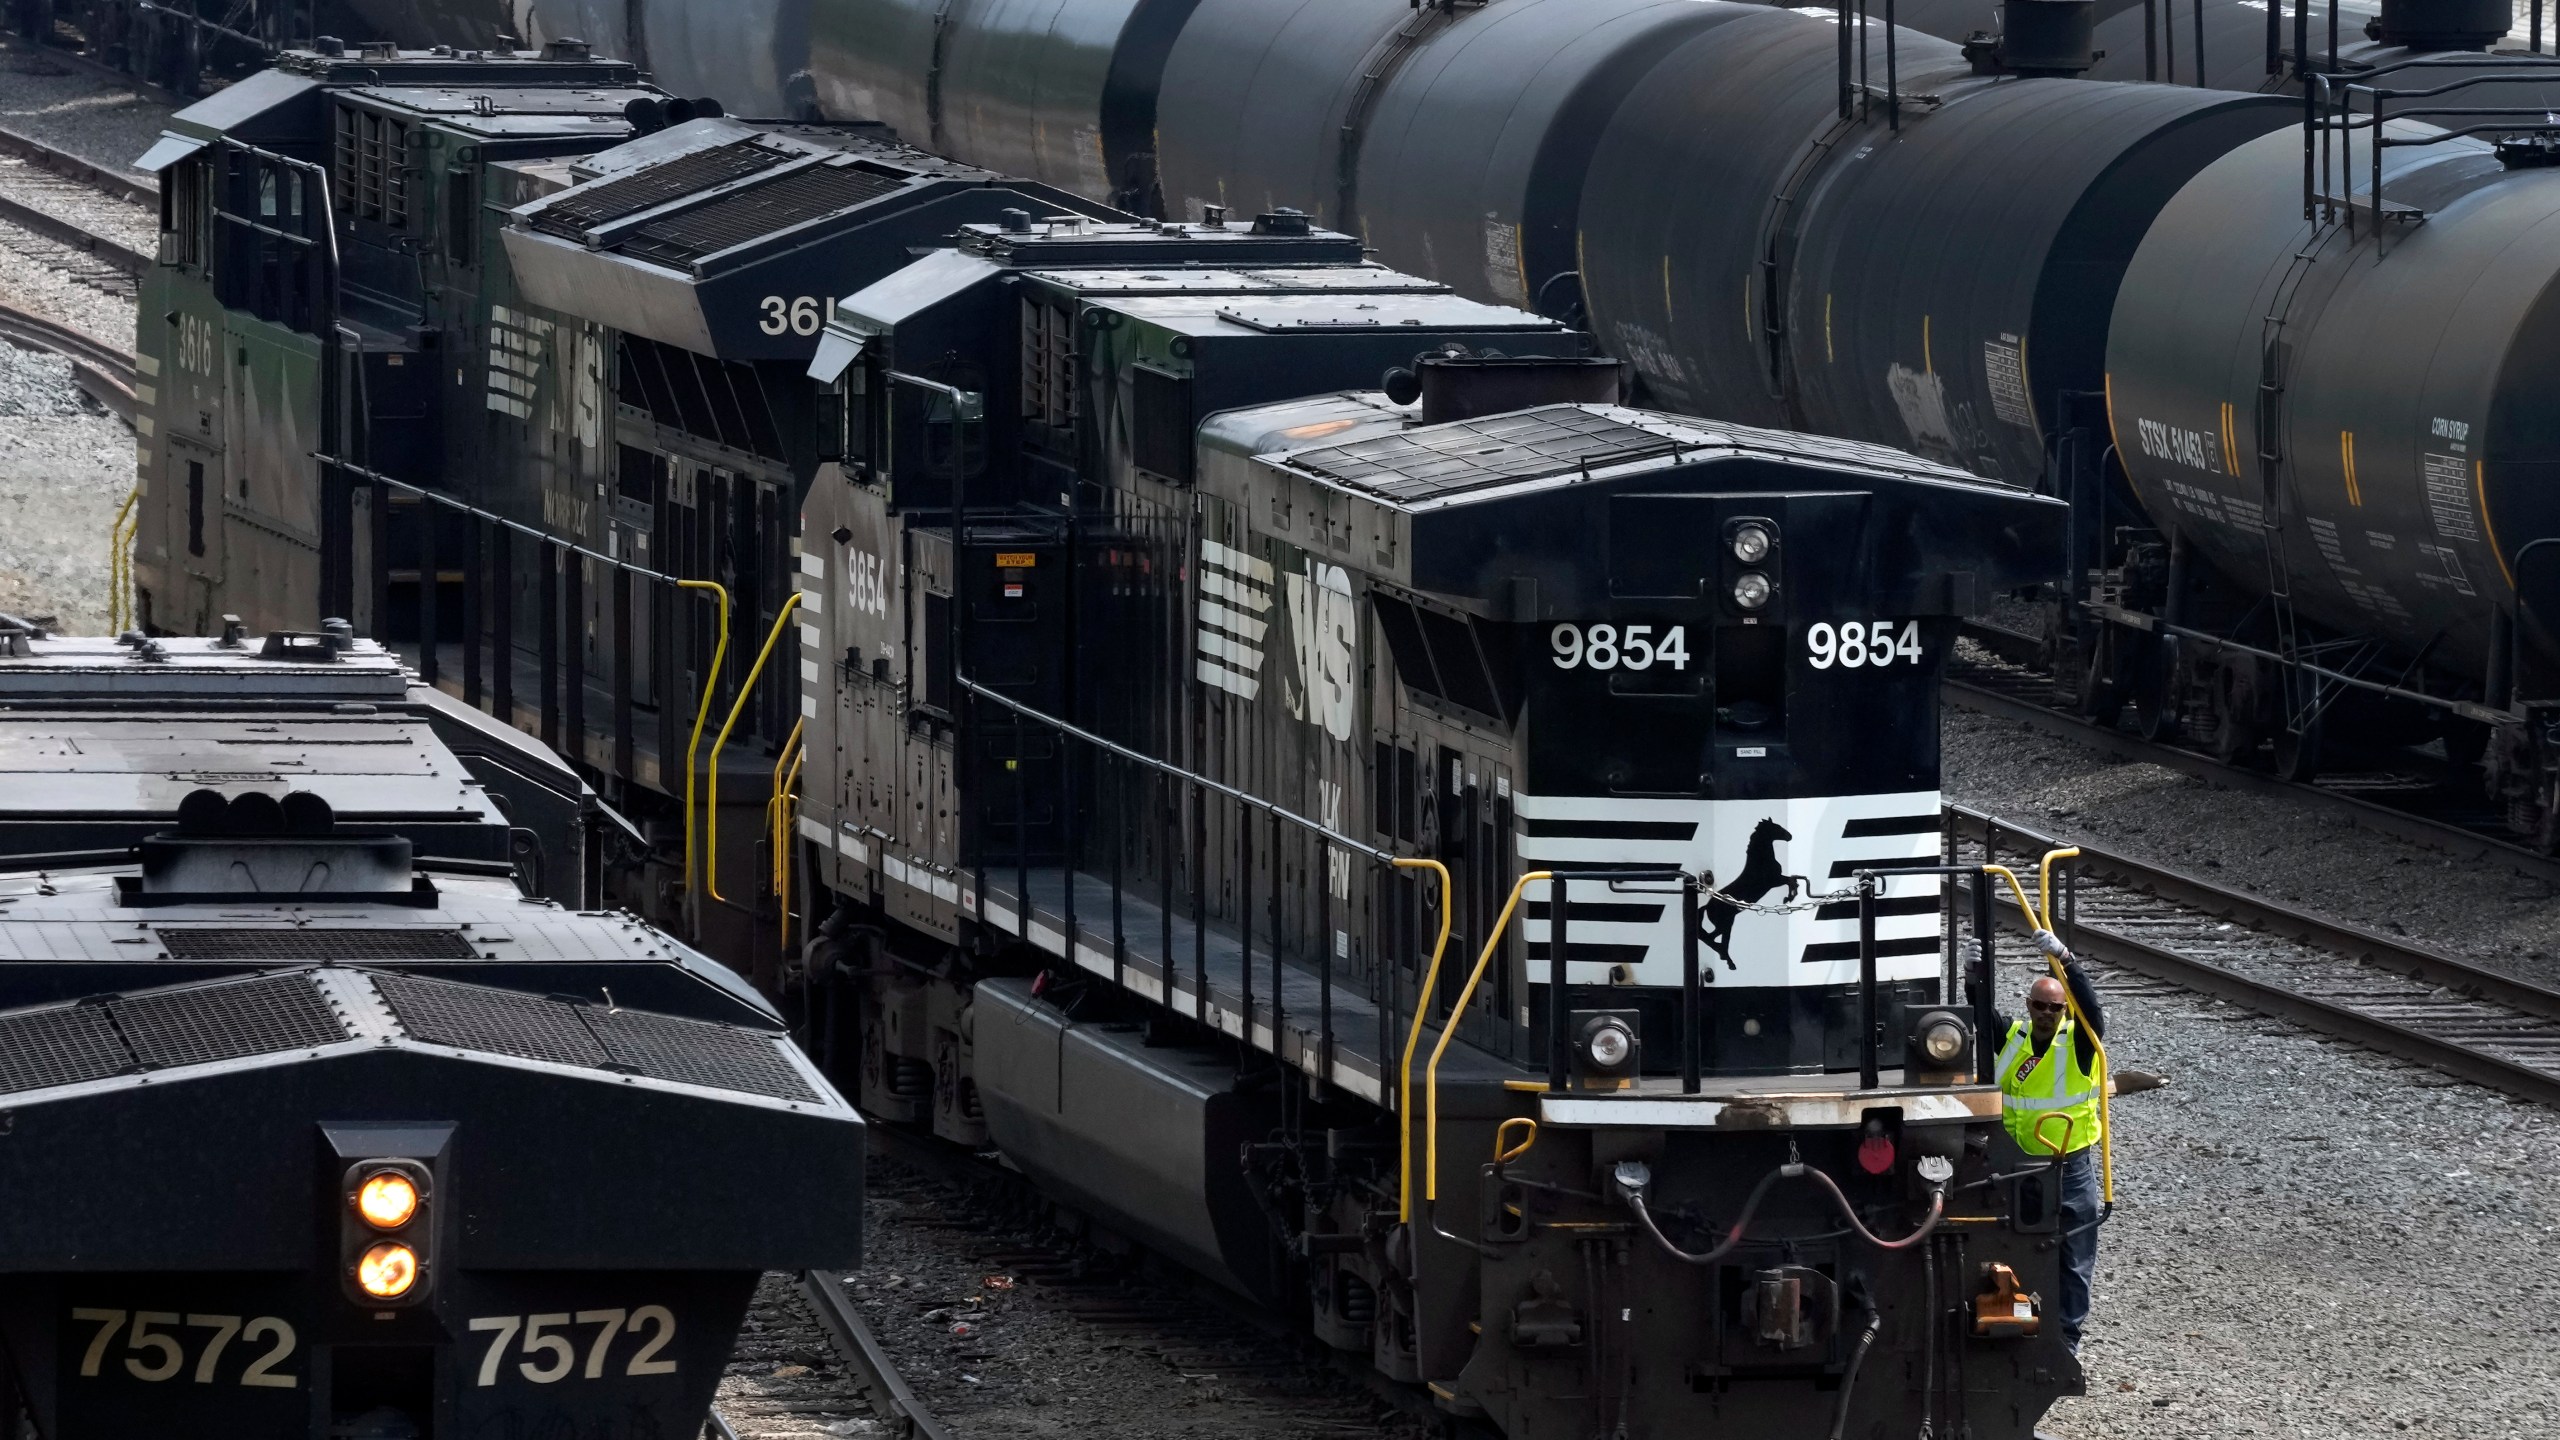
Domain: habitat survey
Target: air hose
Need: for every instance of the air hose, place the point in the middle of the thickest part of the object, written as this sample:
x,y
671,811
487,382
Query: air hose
x,y
1857,1358
1634,1176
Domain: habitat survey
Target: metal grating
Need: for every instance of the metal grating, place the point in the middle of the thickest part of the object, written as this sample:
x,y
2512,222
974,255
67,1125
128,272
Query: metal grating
x,y
502,1022
601,202
60,1046
198,1024
697,1052
352,944
574,1032
756,211
1464,455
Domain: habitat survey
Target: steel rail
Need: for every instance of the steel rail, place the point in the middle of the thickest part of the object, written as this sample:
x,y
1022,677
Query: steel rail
x,y
2353,946
2450,837
104,371
72,167
905,1416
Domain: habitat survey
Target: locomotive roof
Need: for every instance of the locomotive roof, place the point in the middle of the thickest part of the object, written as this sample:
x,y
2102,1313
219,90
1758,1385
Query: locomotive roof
x,y
480,929
1280,238
1200,279
60,668
680,235
122,734
1461,461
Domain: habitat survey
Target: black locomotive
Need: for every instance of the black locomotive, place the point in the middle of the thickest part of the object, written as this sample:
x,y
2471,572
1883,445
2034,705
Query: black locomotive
x,y
1426,858
319,1123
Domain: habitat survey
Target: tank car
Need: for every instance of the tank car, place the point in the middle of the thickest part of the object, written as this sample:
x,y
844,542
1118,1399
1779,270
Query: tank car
x,y
481,1161
1149,668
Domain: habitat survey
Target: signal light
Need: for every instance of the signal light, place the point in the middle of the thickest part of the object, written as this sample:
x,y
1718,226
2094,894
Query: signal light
x,y
386,1227
387,1271
387,1199
1752,590
1751,543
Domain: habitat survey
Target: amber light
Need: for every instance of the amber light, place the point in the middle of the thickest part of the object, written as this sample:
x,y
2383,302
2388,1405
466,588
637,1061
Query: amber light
x,y
387,1200
387,1270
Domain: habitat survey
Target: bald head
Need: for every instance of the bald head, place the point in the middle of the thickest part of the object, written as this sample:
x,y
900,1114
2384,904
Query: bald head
x,y
2046,1004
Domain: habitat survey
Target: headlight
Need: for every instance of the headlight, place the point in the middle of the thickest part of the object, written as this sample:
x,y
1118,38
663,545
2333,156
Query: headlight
x,y
1752,590
387,1270
1939,1040
1608,1044
387,1199
1751,544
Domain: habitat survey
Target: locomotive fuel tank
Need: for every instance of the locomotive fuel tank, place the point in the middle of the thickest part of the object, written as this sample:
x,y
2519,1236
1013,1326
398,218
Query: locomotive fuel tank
x,y
2392,389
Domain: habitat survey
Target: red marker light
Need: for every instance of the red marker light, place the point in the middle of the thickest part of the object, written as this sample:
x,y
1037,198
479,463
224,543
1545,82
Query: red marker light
x,y
1875,1154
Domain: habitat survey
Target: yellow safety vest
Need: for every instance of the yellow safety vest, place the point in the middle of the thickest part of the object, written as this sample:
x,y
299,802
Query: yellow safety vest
x,y
2035,1089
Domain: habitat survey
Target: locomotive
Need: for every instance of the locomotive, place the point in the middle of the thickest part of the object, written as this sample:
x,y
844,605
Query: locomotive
x,y
479,1159
1433,858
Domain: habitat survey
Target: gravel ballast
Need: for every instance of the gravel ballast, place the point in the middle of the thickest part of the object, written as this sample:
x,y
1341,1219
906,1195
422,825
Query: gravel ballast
x,y
2311,1240
75,110
64,468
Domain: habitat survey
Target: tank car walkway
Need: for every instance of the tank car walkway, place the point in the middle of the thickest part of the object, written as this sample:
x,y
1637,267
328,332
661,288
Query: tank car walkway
x,y
1362,1033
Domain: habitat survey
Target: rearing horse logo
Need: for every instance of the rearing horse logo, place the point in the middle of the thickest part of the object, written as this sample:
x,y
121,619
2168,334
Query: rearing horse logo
x,y
1761,873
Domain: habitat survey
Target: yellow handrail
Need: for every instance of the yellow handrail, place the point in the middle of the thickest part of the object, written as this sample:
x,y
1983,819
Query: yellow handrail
x,y
784,841
701,713
1413,1040
746,689
2043,924
1448,1032
116,563
782,760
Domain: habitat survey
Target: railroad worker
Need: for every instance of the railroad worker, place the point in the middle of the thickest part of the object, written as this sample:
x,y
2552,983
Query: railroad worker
x,y
2049,1084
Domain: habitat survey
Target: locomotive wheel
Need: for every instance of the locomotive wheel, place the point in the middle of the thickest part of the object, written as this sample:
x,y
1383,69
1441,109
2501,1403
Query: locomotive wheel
x,y
2298,754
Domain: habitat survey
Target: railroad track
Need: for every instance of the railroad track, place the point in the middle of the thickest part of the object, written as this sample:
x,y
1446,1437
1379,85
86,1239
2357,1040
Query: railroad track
x,y
2371,990
1025,1302
104,371
2416,803
806,1365
42,188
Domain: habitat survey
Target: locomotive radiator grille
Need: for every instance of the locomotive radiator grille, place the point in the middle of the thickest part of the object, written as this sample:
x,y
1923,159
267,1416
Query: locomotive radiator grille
x,y
182,1025
1464,455
59,1047
573,1032
353,945
759,210
594,205
198,1024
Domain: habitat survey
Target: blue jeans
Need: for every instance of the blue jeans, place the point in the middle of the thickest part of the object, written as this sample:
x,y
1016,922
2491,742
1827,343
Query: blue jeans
x,y
2080,1243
